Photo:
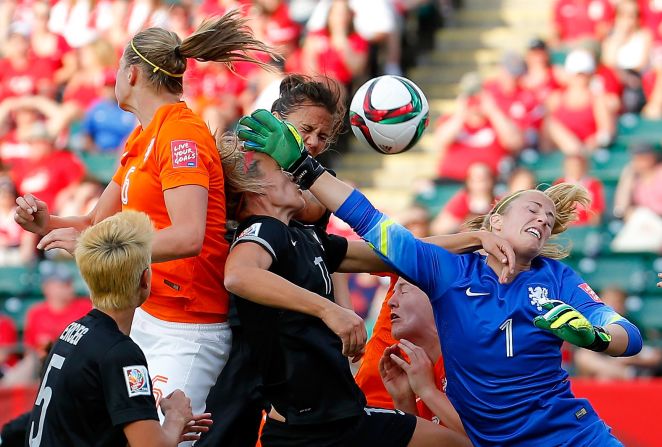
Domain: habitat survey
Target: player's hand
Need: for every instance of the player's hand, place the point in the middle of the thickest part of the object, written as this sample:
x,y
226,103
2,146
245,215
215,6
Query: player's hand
x,y
568,324
394,377
501,250
178,406
199,424
276,138
64,238
419,370
32,214
349,327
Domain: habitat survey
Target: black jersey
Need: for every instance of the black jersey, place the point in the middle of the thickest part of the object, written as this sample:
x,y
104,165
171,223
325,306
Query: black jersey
x,y
95,382
305,376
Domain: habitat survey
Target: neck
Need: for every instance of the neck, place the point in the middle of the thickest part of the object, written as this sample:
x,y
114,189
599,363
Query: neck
x,y
145,104
123,318
520,266
259,207
430,344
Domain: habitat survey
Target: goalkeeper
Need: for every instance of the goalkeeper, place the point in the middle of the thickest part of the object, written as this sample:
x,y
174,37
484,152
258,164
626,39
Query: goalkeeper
x,y
500,342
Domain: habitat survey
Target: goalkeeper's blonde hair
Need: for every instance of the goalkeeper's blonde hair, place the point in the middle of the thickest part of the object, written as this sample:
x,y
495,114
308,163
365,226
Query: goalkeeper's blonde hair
x,y
565,196
112,255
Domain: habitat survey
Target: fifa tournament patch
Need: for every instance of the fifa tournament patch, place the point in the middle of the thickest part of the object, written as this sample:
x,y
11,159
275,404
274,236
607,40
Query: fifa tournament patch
x,y
251,231
137,380
184,154
594,296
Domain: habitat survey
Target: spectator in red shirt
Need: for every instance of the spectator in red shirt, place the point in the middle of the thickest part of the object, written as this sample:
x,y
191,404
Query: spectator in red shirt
x,y
20,73
651,18
475,199
580,19
336,51
477,132
8,344
579,121
272,24
47,172
539,78
575,170
45,321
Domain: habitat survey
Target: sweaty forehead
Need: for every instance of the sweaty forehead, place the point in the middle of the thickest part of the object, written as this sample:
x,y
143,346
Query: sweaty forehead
x,y
538,197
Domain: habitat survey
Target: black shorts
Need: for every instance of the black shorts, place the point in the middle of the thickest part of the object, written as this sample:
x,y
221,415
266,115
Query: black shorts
x,y
235,401
375,426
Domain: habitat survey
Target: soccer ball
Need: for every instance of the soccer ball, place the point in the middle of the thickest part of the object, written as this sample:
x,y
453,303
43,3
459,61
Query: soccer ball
x,y
389,113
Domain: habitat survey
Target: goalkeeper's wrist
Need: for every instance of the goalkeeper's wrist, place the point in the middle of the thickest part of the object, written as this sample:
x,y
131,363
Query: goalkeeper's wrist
x,y
306,170
601,341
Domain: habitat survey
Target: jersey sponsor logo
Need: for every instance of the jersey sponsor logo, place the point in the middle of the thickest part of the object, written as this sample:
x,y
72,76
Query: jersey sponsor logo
x,y
252,231
137,380
538,296
470,293
586,288
184,154
294,243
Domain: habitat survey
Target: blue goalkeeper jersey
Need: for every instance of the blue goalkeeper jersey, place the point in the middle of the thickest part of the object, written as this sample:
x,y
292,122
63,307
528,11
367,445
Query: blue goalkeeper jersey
x,y
504,375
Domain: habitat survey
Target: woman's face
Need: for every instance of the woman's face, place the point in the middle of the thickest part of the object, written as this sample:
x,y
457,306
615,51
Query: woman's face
x,y
122,84
527,223
480,179
280,189
315,124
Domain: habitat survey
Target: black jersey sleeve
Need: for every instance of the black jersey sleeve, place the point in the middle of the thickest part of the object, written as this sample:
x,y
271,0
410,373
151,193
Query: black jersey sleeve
x,y
335,248
268,232
127,386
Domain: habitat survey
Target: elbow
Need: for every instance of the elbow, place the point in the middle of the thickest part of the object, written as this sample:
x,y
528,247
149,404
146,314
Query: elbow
x,y
233,281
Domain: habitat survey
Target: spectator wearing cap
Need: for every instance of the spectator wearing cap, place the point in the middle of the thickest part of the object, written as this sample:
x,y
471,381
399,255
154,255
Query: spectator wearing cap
x,y
105,126
575,170
45,321
578,120
22,73
17,246
580,19
477,132
640,182
517,103
47,172
539,78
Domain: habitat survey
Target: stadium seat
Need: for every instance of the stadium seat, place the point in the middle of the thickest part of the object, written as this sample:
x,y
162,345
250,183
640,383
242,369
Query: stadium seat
x,y
16,308
608,164
547,167
631,272
17,281
585,240
435,199
100,167
646,311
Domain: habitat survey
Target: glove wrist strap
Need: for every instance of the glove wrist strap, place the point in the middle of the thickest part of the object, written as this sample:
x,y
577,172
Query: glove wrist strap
x,y
602,340
306,170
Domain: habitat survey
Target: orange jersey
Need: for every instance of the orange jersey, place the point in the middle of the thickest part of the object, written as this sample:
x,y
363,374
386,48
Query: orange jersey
x,y
177,149
368,378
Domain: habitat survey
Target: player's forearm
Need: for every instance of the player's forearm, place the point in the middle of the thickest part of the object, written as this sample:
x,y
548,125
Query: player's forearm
x,y
625,339
466,242
80,223
405,403
330,191
268,289
439,404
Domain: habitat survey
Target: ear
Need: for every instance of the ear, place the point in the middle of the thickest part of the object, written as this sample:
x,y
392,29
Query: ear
x,y
132,74
146,280
496,222
277,115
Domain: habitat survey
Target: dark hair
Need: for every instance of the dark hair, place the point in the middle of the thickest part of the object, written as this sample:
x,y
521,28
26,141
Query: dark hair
x,y
296,91
162,54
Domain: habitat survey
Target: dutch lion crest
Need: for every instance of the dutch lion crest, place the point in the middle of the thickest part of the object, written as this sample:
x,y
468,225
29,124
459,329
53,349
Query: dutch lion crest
x,y
538,296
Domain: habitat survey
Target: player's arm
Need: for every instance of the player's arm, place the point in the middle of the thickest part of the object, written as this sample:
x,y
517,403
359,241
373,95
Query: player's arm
x,y
177,410
584,320
247,275
61,232
187,209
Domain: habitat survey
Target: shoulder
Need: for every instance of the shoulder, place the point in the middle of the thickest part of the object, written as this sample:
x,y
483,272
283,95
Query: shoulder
x,y
268,232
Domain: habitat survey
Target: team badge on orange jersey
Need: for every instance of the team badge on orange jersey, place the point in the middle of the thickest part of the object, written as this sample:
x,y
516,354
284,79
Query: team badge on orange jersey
x,y
137,380
184,154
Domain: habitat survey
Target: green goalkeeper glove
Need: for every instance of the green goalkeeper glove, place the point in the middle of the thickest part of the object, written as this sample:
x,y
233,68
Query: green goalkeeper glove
x,y
568,324
281,141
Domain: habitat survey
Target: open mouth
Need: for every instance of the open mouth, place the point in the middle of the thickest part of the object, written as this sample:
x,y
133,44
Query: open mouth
x,y
534,232
394,317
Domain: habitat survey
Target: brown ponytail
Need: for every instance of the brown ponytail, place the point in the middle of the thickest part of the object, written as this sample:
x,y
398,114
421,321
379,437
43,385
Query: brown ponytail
x,y
163,55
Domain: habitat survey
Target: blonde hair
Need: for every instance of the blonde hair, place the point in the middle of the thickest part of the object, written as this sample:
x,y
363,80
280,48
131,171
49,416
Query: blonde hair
x,y
112,255
565,196
162,54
